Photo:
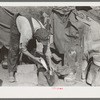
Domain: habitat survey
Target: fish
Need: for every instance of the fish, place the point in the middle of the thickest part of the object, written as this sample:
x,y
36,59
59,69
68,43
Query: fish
x,y
43,63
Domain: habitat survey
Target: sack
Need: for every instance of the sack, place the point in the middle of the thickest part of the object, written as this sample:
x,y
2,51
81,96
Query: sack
x,y
26,68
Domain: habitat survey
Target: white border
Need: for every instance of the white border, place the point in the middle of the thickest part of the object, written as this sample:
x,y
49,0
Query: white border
x,y
49,3
50,92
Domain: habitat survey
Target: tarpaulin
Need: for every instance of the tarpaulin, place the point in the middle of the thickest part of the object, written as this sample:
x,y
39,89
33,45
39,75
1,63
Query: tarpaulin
x,y
5,18
65,33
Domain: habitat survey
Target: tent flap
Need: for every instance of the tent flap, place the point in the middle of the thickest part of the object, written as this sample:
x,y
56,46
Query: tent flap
x,y
5,20
65,32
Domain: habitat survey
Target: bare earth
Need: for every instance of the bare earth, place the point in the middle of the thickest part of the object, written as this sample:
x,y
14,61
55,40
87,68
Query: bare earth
x,y
4,77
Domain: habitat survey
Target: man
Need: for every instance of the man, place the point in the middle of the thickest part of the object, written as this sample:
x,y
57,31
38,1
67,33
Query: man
x,y
23,29
91,44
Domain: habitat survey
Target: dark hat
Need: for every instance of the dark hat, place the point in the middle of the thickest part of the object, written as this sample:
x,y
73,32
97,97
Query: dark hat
x,y
42,34
85,8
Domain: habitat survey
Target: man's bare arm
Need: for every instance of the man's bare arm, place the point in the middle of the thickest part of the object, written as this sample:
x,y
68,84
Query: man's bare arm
x,y
48,57
24,51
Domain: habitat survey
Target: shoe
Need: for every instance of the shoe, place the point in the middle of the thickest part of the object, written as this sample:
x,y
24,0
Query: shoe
x,y
11,77
4,65
50,78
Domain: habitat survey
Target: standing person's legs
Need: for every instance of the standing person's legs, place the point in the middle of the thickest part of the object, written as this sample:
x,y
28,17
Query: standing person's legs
x,y
84,66
13,52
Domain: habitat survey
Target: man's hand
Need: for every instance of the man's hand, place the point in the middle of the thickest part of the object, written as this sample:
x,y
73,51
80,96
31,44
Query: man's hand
x,y
53,68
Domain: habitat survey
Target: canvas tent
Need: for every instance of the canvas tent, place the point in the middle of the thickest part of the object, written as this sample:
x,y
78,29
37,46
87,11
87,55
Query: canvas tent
x,y
61,28
5,18
67,39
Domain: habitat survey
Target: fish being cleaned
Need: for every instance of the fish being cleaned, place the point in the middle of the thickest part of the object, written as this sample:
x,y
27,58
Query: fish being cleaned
x,y
44,63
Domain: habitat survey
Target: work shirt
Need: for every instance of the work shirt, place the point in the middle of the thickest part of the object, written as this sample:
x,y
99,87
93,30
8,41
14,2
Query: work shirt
x,y
25,30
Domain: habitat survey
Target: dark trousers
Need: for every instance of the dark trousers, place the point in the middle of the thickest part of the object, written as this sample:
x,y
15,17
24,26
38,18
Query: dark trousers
x,y
13,52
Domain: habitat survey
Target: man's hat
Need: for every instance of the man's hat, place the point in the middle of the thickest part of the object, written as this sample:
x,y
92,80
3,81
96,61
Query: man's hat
x,y
42,34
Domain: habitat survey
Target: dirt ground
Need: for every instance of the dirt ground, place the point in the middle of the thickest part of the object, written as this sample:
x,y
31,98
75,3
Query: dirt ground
x,y
4,77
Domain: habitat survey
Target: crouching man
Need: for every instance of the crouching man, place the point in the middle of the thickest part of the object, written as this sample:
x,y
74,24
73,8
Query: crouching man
x,y
23,29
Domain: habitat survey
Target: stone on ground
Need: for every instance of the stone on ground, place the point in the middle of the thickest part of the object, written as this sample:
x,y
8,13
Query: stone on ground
x,y
26,68
42,80
27,75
